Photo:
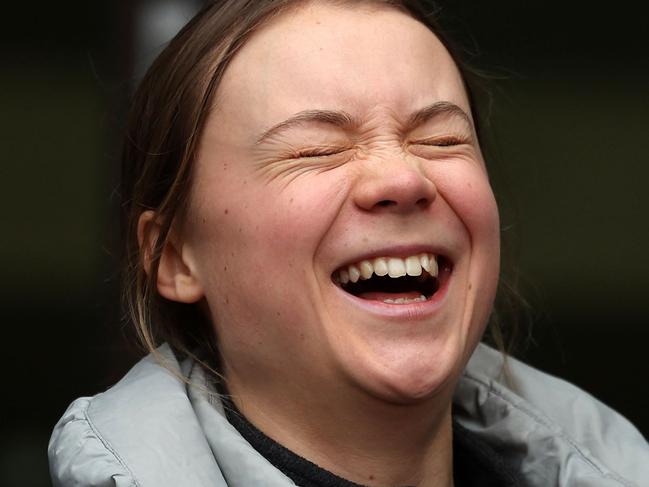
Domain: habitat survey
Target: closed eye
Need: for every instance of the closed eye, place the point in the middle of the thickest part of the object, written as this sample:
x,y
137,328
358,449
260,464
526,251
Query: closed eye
x,y
319,152
445,141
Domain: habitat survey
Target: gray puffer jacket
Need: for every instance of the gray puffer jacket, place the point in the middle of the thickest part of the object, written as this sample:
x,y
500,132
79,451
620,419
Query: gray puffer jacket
x,y
153,430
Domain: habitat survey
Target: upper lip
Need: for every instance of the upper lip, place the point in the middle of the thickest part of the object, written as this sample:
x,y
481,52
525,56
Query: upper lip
x,y
396,251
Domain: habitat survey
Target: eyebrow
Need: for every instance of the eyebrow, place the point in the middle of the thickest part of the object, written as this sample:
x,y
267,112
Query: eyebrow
x,y
437,109
341,118
338,118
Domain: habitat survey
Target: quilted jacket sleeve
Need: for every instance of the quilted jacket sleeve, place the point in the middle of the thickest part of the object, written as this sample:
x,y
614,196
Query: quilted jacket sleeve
x,y
80,457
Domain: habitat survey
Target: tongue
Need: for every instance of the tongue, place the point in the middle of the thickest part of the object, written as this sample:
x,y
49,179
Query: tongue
x,y
377,296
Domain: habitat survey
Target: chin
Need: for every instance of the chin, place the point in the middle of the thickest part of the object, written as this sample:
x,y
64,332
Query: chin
x,y
412,374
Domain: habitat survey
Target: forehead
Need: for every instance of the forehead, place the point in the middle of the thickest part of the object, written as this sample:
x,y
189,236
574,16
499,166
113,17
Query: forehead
x,y
339,57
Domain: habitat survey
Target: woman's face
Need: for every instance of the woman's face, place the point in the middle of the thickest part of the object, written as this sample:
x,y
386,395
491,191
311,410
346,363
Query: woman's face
x,y
343,136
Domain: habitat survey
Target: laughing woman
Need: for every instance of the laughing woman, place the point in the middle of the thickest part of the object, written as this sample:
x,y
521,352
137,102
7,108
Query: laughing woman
x,y
312,258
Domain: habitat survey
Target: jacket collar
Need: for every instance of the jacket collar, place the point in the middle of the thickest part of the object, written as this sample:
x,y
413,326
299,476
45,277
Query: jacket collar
x,y
171,428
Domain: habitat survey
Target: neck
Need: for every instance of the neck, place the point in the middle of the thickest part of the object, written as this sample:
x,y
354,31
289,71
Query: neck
x,y
357,436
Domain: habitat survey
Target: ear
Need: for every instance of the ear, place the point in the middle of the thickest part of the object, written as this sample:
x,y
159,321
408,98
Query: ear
x,y
176,279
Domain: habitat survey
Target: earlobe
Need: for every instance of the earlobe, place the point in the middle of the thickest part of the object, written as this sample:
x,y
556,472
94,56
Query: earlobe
x,y
176,280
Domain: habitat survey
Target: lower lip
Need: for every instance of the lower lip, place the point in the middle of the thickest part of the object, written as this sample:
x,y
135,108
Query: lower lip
x,y
407,311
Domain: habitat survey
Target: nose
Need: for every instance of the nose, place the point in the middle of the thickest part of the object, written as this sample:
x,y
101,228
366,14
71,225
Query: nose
x,y
395,186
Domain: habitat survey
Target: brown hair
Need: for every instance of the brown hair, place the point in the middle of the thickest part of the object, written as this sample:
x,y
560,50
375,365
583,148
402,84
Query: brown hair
x,y
167,116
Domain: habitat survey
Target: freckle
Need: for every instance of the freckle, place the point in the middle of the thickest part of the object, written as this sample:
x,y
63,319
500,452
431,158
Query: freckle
x,y
291,200
225,268
226,211
301,336
371,477
227,300
239,229
470,286
204,220
232,254
279,314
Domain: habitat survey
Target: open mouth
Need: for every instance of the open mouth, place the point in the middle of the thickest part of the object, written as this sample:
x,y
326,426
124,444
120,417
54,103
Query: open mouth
x,y
395,280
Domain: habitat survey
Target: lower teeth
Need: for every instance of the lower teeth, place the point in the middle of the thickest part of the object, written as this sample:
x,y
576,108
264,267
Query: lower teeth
x,y
405,300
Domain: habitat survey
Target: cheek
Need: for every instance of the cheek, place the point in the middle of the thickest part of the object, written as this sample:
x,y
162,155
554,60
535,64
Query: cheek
x,y
471,199
296,215
468,192
264,228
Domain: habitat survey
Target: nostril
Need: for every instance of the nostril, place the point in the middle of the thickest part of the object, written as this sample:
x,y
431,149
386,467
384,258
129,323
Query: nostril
x,y
384,203
422,202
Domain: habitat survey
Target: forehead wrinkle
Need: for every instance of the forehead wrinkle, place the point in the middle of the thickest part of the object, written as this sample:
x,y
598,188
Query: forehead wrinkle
x,y
337,118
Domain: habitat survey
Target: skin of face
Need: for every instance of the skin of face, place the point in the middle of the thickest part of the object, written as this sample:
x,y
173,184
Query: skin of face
x,y
276,208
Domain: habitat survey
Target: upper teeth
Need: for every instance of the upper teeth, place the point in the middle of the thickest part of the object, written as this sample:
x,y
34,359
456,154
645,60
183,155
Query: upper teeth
x,y
391,266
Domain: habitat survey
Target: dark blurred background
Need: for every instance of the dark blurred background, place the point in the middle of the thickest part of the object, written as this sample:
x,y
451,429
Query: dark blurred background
x,y
569,161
